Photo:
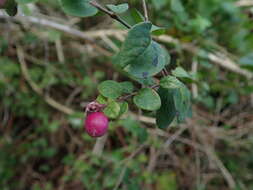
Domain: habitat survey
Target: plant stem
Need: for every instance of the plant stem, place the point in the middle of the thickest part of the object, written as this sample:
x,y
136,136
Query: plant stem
x,y
110,13
99,146
123,98
165,71
145,10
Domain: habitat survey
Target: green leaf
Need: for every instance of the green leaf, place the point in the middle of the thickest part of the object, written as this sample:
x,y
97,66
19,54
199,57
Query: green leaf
x,y
145,81
137,16
151,62
182,100
156,30
80,8
112,110
181,73
127,87
141,57
123,108
147,99
181,96
136,43
167,112
121,8
110,89
101,99
170,82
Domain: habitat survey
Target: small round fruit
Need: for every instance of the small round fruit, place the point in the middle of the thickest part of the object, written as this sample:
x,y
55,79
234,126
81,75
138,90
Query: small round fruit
x,y
96,124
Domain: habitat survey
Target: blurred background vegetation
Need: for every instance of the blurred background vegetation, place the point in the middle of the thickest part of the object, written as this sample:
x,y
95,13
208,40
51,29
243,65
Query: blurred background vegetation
x,y
51,64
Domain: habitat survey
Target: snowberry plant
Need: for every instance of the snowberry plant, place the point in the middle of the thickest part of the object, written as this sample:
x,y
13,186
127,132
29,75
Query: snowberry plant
x,y
143,60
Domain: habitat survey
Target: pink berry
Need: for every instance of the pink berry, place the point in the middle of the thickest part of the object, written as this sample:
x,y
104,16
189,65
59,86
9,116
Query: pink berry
x,y
2,2
96,124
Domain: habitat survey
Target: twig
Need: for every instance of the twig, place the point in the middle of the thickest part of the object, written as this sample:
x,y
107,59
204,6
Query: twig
x,y
165,71
122,173
245,3
194,85
217,57
144,119
153,153
59,51
135,153
37,89
61,27
123,98
152,160
109,42
121,176
110,13
172,138
220,59
166,145
145,10
99,146
211,153
229,178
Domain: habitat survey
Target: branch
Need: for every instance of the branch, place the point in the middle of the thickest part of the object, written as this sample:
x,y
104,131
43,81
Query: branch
x,y
218,58
128,159
99,146
110,13
36,88
145,10
243,3
194,85
123,98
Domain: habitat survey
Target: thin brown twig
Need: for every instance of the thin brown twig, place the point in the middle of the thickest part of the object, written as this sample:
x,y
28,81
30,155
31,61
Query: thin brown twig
x,y
125,161
37,89
59,50
194,85
99,146
121,176
166,145
211,154
245,3
123,98
145,9
165,71
110,13
221,59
